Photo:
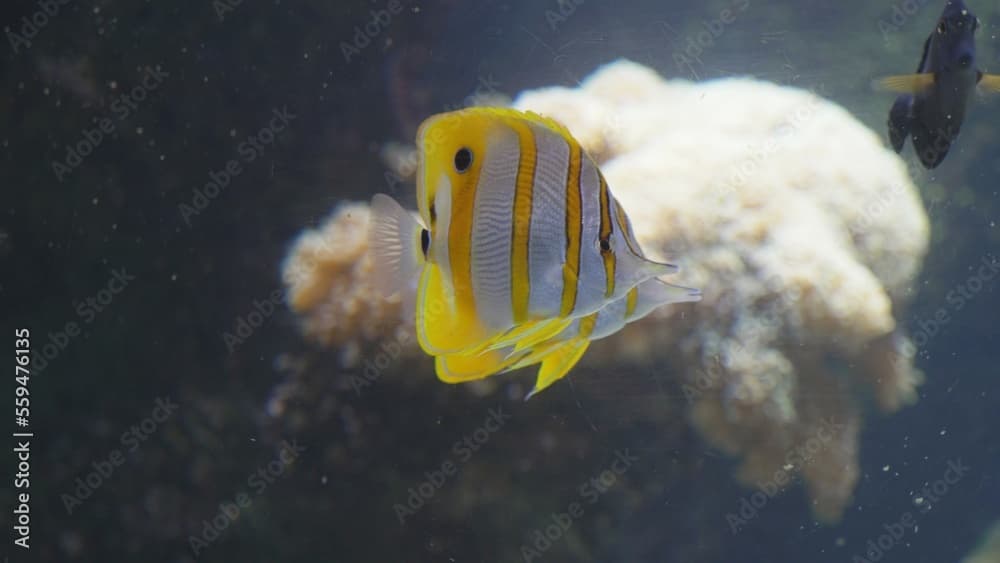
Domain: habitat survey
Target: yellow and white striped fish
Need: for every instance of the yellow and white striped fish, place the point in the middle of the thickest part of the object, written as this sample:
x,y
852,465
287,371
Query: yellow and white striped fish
x,y
520,236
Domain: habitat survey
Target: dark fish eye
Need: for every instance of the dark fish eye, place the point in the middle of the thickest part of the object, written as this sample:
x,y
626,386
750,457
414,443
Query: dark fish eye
x,y
463,159
425,240
605,245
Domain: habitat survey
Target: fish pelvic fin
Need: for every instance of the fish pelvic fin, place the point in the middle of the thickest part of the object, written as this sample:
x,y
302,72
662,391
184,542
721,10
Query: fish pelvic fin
x,y
989,83
905,83
396,250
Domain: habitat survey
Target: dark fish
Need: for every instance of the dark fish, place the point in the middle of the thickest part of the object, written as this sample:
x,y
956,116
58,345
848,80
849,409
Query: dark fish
x,y
932,103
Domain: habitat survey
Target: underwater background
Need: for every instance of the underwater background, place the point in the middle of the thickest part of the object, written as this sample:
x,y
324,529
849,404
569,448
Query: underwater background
x,y
209,447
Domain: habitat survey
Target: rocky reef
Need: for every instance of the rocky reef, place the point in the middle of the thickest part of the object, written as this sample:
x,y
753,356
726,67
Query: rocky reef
x,y
804,233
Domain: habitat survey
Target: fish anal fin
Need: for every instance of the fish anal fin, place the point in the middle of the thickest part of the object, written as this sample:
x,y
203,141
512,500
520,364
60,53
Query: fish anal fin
x,y
906,83
557,364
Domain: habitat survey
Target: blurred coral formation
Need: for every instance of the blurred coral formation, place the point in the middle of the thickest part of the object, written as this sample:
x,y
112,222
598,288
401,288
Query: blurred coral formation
x,y
804,233
989,550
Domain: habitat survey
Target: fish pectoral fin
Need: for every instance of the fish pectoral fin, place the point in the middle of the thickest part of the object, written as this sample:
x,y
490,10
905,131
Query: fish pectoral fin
x,y
989,83
557,364
905,83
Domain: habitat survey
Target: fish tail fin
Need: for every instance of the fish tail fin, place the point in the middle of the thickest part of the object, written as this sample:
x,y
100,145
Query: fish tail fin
x,y
396,250
558,363
932,145
900,117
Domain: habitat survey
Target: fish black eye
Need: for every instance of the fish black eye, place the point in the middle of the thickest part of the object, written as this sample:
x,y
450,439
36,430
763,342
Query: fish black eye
x,y
425,240
605,245
463,159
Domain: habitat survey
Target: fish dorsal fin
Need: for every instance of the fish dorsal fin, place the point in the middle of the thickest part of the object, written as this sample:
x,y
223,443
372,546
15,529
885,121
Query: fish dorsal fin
x,y
906,83
396,251
989,82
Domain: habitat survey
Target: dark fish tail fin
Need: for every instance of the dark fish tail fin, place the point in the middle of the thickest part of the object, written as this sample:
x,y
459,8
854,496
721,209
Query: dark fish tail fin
x,y
932,145
900,118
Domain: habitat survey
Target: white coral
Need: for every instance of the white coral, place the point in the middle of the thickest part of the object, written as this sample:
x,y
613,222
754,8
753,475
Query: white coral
x,y
802,230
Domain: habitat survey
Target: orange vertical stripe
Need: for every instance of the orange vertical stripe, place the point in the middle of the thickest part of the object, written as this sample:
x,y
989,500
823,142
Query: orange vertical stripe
x,y
605,235
574,230
520,282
